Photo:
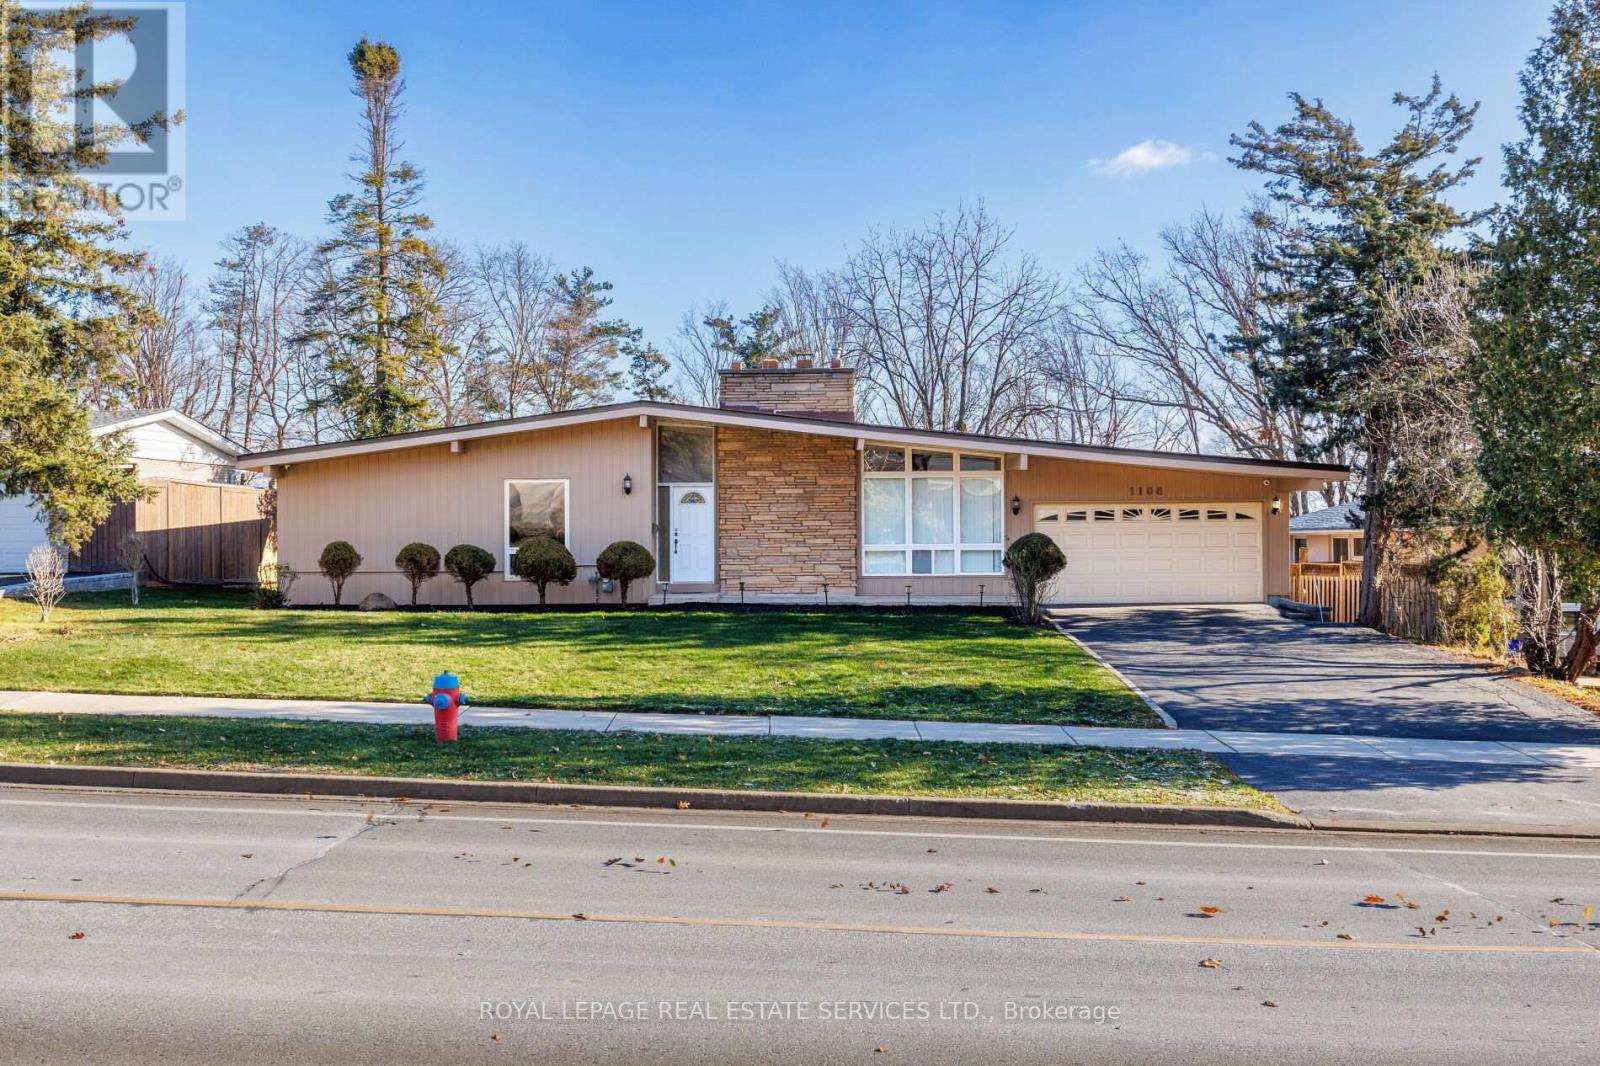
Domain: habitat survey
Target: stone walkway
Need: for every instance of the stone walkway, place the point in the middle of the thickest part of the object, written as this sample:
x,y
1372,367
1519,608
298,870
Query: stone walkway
x,y
1319,746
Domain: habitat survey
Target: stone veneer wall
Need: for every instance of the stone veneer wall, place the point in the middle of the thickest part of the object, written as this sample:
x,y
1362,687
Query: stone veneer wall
x,y
787,516
806,391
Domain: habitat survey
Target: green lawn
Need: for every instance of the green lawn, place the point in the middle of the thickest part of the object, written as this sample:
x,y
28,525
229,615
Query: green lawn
x,y
884,767
957,667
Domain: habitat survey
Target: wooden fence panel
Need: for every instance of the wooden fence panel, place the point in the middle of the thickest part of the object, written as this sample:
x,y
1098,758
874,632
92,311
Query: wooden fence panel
x,y
1410,604
203,533
1330,585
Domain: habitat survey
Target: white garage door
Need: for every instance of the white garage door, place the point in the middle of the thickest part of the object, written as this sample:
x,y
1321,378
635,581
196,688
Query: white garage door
x,y
1174,553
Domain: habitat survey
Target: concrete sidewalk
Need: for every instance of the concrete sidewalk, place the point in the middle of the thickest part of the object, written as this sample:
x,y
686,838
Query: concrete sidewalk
x,y
1322,747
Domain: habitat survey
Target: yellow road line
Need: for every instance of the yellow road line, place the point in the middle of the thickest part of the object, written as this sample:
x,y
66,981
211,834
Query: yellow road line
x,y
407,910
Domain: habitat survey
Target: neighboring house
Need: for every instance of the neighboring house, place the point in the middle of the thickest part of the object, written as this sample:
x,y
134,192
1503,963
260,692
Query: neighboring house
x,y
780,491
1332,535
165,444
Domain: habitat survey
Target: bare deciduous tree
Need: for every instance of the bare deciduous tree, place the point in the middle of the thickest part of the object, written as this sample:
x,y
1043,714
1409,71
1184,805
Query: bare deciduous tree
x,y
697,354
516,303
168,365
131,551
460,385
947,326
46,567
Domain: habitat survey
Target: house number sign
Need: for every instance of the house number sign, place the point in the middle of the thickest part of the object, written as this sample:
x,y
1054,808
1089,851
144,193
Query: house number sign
x,y
1146,490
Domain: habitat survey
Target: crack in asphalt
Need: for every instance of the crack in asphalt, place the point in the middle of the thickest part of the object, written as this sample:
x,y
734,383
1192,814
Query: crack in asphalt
x,y
275,881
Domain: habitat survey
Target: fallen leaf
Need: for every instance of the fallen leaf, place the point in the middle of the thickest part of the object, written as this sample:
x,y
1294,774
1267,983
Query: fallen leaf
x,y
1122,899
247,855
1442,916
79,935
1211,964
1346,936
683,805
612,862
992,890
1268,1003
582,917
1210,911
942,887
497,1038
1138,882
1370,900
824,823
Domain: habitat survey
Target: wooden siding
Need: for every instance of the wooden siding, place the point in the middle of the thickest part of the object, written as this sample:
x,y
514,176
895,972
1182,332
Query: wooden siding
x,y
194,532
1073,481
383,501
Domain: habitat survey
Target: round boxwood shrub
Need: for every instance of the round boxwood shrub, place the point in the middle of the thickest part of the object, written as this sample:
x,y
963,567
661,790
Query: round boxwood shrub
x,y
337,562
419,562
468,564
1032,562
542,560
625,562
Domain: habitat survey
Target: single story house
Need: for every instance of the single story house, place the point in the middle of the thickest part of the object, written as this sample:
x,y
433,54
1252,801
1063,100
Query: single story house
x,y
166,444
1332,535
780,491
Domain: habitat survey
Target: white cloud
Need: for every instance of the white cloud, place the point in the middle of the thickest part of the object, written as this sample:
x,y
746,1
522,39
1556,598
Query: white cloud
x,y
1146,156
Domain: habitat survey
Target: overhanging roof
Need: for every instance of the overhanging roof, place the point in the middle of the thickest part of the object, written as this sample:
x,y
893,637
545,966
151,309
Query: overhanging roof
x,y
822,427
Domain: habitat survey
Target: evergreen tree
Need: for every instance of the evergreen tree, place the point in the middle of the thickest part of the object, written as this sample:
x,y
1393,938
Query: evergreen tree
x,y
1349,227
753,339
1537,372
580,347
372,318
64,315
647,371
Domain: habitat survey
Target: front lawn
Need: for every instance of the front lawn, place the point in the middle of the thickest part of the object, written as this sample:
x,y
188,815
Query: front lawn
x,y
881,767
956,667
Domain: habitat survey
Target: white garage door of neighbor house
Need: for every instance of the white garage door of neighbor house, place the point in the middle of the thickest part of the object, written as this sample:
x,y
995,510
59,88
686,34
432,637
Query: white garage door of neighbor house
x,y
20,531
1172,553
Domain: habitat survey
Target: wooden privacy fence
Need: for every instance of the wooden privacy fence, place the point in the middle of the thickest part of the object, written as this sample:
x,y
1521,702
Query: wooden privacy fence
x,y
1410,604
200,533
1335,586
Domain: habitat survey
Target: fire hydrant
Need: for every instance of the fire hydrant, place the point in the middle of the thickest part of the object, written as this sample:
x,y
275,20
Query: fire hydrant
x,y
446,699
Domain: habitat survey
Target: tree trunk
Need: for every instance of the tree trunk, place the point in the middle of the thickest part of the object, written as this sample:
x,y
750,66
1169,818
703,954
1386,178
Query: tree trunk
x,y
1539,612
1584,641
1377,531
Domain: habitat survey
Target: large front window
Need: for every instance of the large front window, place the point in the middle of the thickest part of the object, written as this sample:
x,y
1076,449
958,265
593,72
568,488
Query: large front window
x,y
534,509
931,512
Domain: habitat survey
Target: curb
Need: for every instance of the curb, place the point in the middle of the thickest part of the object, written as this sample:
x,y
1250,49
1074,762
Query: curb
x,y
698,799
1465,829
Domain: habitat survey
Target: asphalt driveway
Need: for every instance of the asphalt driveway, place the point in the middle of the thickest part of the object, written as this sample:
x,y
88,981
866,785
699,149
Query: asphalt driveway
x,y
1244,667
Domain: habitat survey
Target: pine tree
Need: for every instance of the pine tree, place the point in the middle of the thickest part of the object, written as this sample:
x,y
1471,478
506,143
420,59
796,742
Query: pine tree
x,y
372,319
64,315
1537,373
1351,226
754,339
580,347
647,371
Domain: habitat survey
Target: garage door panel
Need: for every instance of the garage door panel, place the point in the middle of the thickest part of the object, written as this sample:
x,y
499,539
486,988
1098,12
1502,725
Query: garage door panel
x,y
1179,552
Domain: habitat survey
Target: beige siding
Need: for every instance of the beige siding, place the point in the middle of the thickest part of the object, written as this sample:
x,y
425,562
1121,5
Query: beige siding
x,y
381,502
1072,481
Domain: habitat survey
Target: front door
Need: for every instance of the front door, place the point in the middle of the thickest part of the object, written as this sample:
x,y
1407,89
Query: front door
x,y
693,534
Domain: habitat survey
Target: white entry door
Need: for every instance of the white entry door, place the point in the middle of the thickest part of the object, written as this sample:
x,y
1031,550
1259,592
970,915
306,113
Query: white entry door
x,y
694,523
1174,553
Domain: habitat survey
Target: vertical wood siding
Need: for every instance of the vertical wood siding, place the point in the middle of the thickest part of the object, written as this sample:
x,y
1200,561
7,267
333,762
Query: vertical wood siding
x,y
381,502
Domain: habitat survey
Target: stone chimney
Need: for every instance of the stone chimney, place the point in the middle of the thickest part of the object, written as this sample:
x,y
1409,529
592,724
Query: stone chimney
x,y
801,389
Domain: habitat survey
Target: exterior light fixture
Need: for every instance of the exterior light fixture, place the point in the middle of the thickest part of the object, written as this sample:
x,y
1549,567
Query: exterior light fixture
x,y
1016,505
1277,504
627,484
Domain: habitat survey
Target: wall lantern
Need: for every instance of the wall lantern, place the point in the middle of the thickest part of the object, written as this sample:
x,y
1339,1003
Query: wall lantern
x,y
1016,505
1277,504
627,487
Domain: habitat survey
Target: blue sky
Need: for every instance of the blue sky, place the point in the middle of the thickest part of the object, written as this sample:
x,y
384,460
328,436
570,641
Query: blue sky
x,y
681,149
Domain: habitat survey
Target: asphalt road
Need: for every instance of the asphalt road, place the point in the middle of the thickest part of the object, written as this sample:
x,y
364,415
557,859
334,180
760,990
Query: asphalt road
x,y
262,930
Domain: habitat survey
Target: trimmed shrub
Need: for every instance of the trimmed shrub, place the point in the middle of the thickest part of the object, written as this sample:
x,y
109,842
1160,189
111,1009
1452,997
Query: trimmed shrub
x,y
419,562
337,562
625,562
542,560
1032,563
468,564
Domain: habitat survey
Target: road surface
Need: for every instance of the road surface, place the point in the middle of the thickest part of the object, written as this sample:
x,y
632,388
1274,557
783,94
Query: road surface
x,y
270,930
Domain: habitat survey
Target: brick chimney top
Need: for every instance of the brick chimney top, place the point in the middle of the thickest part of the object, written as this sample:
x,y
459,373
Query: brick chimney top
x,y
802,389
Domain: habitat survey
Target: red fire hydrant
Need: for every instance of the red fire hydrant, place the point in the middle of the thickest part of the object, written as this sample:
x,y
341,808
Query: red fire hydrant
x,y
446,700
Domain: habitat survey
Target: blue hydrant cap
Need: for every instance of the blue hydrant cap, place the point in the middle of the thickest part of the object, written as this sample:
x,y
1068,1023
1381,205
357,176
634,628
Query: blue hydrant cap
x,y
447,680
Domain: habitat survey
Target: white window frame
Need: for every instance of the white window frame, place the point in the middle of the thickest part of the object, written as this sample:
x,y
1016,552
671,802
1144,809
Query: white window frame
x,y
505,516
905,477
